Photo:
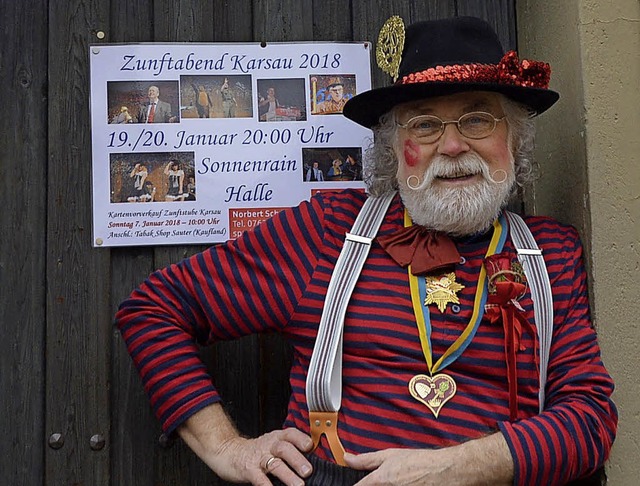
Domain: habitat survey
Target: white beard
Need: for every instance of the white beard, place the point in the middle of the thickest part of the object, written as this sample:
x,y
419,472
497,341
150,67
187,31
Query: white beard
x,y
458,211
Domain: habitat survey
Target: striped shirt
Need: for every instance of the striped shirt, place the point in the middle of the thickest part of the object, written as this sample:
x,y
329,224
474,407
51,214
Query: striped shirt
x,y
275,278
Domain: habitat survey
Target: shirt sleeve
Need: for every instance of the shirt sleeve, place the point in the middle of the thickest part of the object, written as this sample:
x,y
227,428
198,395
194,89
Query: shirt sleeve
x,y
242,287
572,437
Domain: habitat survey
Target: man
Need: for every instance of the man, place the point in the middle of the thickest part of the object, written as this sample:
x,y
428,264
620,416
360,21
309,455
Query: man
x,y
437,387
314,174
228,100
155,110
336,100
203,100
267,106
353,169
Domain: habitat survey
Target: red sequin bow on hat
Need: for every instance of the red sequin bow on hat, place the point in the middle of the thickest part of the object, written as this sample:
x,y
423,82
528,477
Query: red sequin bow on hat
x,y
509,71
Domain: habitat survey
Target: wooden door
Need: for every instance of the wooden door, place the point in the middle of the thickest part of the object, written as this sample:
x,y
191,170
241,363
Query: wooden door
x,y
72,408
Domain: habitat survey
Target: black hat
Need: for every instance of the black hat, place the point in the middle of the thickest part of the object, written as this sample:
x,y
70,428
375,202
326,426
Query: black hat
x,y
442,57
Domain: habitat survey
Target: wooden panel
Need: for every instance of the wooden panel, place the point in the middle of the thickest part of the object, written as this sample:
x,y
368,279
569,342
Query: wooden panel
x,y
232,21
332,21
78,312
131,21
23,159
135,432
499,13
282,20
182,21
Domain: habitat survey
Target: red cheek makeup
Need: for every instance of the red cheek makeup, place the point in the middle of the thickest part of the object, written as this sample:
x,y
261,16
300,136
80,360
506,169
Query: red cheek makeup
x,y
411,153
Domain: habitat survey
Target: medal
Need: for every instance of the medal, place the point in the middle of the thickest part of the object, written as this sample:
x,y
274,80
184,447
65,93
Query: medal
x,y
437,389
390,45
434,392
441,290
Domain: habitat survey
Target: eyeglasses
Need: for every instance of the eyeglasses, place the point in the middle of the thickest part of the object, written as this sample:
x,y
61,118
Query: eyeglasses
x,y
429,128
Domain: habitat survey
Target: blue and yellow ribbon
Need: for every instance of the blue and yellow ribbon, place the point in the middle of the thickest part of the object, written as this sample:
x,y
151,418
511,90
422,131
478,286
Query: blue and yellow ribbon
x,y
421,311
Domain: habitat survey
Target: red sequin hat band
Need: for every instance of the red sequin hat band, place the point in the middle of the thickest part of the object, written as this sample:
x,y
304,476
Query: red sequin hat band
x,y
509,71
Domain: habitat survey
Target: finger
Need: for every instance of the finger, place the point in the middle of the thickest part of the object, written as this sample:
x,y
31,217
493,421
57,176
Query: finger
x,y
292,457
281,470
366,462
298,438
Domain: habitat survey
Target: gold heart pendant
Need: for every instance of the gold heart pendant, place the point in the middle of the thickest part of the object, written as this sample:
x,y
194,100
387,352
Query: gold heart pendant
x,y
433,391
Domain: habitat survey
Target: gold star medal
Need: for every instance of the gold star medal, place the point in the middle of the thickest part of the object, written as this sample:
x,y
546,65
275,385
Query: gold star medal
x,y
441,290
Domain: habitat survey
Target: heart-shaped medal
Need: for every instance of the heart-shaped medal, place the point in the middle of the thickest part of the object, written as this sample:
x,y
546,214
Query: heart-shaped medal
x,y
433,391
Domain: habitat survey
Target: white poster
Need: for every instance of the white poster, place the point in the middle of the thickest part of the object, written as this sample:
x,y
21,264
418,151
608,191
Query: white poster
x,y
195,143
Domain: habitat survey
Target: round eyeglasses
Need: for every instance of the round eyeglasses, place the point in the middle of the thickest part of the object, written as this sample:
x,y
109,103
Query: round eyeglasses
x,y
429,128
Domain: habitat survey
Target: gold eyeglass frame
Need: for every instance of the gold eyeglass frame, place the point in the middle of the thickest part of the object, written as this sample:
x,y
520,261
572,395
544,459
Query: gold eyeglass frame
x,y
457,122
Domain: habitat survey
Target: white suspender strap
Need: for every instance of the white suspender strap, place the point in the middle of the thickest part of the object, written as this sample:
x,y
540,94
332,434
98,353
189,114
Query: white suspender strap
x,y
532,261
324,382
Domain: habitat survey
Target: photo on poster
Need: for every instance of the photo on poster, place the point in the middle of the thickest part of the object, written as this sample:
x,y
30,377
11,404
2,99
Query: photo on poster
x,y
142,102
152,177
281,100
332,164
330,93
215,96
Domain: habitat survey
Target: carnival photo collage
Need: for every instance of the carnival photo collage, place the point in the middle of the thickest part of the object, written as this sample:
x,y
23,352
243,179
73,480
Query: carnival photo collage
x,y
171,176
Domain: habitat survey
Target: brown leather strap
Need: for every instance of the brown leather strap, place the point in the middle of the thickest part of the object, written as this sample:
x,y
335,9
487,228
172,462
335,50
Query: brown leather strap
x,y
327,423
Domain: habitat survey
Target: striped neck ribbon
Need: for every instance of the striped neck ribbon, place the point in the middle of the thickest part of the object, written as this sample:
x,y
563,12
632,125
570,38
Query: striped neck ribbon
x,y
421,310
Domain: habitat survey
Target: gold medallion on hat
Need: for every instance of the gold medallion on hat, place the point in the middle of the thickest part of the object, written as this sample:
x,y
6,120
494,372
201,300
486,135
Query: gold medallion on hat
x,y
442,290
390,46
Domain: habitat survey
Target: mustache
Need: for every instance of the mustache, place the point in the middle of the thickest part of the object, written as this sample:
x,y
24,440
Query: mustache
x,y
444,167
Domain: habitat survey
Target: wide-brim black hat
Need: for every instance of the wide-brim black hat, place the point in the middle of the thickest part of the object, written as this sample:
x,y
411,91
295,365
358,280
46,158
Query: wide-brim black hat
x,y
448,56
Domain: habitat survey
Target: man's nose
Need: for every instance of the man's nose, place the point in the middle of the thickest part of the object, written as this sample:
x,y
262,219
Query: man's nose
x,y
452,143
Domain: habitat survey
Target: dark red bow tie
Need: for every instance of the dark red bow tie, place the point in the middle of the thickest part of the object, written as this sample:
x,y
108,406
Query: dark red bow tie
x,y
425,250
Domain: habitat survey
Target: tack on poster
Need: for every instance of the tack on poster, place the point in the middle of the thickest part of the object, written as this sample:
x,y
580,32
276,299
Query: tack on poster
x,y
196,143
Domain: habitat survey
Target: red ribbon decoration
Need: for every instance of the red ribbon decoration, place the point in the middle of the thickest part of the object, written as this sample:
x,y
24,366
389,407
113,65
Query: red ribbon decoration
x,y
423,249
529,74
509,71
503,306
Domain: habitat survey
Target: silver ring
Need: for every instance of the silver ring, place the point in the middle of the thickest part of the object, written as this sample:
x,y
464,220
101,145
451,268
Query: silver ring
x,y
270,461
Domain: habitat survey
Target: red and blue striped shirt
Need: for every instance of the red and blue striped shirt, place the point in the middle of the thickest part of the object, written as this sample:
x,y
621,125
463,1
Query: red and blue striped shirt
x,y
275,278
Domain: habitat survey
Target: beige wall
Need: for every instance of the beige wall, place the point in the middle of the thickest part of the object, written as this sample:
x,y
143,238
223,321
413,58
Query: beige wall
x,y
588,149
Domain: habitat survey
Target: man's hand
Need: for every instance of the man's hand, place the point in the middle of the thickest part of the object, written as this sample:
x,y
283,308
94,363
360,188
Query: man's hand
x,y
485,461
279,453
212,436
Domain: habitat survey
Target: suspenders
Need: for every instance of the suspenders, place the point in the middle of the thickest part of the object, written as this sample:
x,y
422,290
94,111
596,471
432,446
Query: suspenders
x,y
530,257
324,382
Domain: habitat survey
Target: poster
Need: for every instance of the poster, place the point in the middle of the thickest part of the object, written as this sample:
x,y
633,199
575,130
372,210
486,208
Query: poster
x,y
196,143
